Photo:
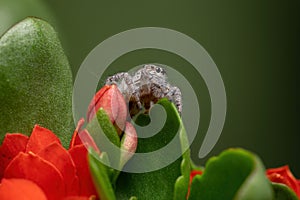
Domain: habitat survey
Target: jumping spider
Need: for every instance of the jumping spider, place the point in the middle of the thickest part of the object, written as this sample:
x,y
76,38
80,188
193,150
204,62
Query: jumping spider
x,y
145,88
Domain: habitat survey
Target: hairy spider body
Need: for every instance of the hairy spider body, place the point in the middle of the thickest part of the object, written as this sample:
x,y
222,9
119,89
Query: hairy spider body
x,y
146,87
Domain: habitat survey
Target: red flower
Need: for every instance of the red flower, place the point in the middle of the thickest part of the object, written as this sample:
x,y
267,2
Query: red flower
x,y
284,175
39,167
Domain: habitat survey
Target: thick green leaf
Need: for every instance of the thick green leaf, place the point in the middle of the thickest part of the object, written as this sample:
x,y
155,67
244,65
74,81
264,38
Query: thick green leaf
x,y
100,174
35,81
157,184
235,174
283,192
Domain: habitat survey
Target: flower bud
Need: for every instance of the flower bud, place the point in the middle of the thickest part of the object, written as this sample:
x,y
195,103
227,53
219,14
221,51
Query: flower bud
x,y
128,143
112,101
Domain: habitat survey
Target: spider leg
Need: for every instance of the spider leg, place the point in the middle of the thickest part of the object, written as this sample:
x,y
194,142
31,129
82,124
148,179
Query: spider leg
x,y
124,82
175,96
156,91
136,96
114,79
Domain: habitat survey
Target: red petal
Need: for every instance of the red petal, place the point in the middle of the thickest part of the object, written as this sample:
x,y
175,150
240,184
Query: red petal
x,y
40,138
94,102
122,111
11,146
75,138
61,159
79,156
109,103
20,189
43,173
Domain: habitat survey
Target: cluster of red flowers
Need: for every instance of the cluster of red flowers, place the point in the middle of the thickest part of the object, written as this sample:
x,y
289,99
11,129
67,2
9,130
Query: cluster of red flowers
x,y
38,167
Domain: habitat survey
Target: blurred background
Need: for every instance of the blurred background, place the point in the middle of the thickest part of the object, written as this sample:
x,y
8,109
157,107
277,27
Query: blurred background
x,y
255,45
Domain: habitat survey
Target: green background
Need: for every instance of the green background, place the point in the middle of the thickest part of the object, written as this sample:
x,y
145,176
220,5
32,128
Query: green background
x,y
255,45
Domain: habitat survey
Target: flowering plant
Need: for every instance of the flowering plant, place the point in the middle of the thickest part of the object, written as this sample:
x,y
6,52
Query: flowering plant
x,y
36,88
41,167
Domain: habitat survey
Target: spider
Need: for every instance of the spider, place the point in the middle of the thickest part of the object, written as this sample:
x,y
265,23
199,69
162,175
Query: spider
x,y
145,88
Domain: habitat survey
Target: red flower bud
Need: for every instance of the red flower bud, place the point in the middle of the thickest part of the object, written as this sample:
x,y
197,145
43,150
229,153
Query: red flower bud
x,y
112,101
128,143
284,175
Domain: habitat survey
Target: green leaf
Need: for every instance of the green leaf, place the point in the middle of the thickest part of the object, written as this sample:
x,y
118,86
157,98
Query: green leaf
x,y
35,81
234,174
100,174
283,192
157,184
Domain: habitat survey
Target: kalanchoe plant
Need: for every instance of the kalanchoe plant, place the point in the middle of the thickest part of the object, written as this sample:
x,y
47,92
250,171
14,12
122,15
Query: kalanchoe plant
x,y
39,167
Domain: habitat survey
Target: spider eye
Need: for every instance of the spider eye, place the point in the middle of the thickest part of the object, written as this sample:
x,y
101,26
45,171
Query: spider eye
x,y
158,69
